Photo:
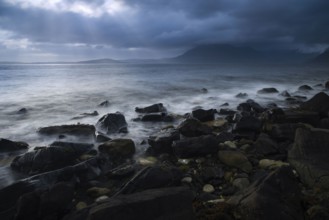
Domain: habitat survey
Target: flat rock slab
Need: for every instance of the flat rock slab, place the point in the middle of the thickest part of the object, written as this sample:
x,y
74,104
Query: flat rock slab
x,y
309,156
8,145
74,130
165,203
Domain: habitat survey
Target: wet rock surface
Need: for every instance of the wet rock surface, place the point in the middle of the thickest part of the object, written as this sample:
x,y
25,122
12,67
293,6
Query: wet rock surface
x,y
113,123
74,130
9,146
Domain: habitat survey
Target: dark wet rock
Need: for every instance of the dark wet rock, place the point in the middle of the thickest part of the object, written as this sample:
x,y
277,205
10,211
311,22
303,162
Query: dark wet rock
x,y
192,127
204,115
327,85
250,106
308,117
121,171
309,156
27,206
196,146
248,124
113,123
164,203
235,159
151,109
265,146
100,137
241,95
275,196
118,149
162,141
267,91
9,196
324,123
209,173
151,178
84,115
204,90
226,111
104,104
22,111
157,117
285,131
225,104
285,93
8,145
305,88
318,103
300,97
58,155
82,130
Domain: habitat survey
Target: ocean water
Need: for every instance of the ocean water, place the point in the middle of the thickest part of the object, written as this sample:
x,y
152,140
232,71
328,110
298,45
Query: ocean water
x,y
55,93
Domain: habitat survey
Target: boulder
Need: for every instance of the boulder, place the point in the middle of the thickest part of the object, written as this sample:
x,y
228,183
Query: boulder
x,y
8,145
204,115
235,159
81,130
305,88
226,111
250,106
274,196
151,178
162,141
192,127
118,149
283,132
327,85
248,126
267,91
165,203
196,146
113,123
58,155
100,137
309,156
151,109
157,117
264,145
318,103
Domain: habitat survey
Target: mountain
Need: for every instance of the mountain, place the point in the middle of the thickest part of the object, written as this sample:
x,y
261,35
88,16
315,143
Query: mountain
x,y
224,53
322,59
100,61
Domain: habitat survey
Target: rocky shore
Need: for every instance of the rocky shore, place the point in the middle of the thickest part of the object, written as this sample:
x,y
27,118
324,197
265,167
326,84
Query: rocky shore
x,y
250,163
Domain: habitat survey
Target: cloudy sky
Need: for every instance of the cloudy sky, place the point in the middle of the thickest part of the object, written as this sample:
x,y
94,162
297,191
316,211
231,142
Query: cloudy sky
x,y
70,30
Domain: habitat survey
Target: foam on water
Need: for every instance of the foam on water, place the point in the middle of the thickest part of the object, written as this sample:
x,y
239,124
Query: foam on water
x,y
53,94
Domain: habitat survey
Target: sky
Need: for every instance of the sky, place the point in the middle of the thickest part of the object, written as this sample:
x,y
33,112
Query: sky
x,y
72,30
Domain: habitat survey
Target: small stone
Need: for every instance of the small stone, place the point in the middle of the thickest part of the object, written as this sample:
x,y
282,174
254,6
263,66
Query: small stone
x,y
208,188
147,161
80,205
97,192
230,144
186,179
271,164
101,199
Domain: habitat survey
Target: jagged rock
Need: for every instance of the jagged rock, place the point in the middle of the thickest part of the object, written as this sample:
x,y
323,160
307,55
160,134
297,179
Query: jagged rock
x,y
196,146
106,103
204,115
162,141
272,197
241,95
309,156
113,123
118,149
305,88
267,91
100,137
8,145
75,130
151,178
151,109
318,103
192,127
58,155
235,159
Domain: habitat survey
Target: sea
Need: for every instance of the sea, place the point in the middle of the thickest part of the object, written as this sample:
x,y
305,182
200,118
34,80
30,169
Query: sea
x,y
54,94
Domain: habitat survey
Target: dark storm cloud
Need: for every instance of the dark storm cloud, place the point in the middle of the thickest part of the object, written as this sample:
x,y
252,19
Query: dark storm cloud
x,y
172,23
